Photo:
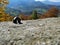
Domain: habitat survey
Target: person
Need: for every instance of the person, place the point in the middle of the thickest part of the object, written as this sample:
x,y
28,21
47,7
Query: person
x,y
17,20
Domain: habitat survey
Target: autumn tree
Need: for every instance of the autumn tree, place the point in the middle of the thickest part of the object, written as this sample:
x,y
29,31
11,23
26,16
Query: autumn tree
x,y
3,4
52,12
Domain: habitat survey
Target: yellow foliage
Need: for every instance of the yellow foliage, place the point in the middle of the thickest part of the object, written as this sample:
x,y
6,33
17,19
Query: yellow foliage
x,y
3,15
2,19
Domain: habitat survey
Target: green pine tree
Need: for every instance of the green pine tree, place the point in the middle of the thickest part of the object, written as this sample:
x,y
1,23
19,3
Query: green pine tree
x,y
34,15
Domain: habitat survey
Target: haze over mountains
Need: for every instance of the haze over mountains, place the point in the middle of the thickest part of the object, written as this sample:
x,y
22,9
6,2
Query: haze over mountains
x,y
50,2
27,6
21,3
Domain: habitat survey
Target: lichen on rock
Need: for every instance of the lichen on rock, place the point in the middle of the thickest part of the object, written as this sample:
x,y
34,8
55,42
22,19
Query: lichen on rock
x,y
31,32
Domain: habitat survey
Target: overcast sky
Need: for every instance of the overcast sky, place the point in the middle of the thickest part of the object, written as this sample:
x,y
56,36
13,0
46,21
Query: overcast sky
x,y
50,0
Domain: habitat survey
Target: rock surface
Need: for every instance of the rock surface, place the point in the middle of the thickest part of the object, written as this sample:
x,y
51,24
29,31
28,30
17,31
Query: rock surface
x,y
31,32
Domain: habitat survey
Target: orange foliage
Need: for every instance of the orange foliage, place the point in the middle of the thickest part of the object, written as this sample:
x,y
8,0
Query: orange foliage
x,y
25,17
51,13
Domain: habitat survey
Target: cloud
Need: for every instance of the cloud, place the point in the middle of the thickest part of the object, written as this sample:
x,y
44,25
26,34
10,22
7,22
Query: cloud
x,y
39,0
54,0
49,0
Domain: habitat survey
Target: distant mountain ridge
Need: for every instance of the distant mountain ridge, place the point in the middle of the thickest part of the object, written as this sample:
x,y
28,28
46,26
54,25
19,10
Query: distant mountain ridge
x,y
25,6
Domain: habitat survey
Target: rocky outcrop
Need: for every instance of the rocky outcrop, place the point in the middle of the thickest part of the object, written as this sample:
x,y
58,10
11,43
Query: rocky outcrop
x,y
31,32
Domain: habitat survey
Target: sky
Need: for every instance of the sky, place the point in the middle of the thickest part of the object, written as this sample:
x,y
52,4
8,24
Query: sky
x,y
15,2
38,0
49,0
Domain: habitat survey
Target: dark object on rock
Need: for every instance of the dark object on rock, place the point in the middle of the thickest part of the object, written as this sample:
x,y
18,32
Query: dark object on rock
x,y
17,20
